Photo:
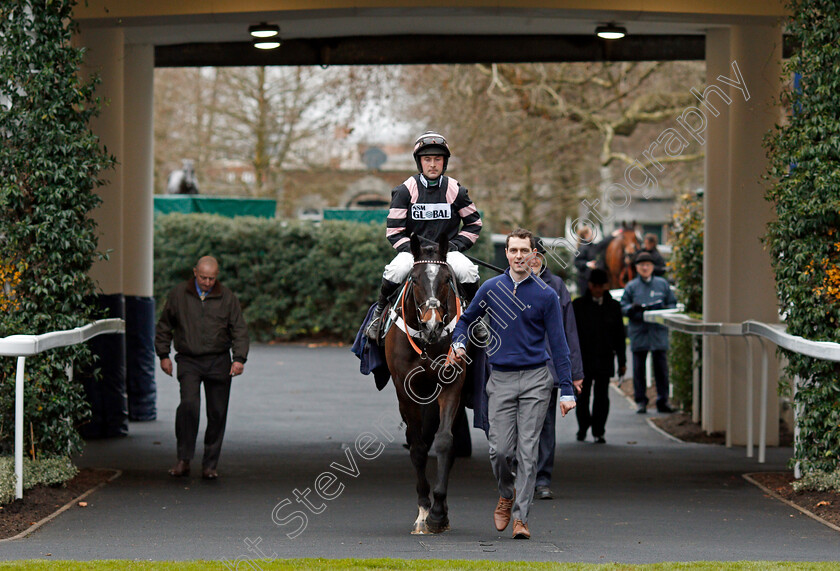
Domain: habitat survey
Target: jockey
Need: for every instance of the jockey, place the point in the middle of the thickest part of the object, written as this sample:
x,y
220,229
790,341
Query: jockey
x,y
430,205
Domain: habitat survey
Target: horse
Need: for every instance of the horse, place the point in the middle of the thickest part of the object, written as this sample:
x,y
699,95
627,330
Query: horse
x,y
417,354
619,257
183,181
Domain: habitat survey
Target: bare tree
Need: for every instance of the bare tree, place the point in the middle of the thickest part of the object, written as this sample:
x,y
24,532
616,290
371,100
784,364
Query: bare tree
x,y
185,119
538,138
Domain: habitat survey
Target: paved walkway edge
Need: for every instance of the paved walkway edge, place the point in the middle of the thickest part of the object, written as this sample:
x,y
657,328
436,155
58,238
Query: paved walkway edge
x,y
768,491
64,508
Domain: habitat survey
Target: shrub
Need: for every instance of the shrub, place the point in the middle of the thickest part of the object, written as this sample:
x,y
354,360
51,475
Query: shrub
x,y
804,242
818,481
49,168
686,268
293,279
47,472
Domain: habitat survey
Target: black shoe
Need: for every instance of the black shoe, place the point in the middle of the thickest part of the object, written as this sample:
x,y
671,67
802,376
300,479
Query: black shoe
x,y
480,334
665,408
581,436
641,408
373,329
544,493
600,440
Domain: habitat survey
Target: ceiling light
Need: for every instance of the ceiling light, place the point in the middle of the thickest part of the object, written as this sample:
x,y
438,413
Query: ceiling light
x,y
610,32
263,30
266,43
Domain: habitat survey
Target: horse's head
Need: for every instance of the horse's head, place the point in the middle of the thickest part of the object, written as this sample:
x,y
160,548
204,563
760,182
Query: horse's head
x,y
629,243
432,290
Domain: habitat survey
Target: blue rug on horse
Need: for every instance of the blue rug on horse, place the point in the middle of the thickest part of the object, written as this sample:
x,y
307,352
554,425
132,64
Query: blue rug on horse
x,y
372,360
371,355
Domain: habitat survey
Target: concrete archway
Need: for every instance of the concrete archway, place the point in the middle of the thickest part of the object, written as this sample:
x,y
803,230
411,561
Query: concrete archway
x,y
740,40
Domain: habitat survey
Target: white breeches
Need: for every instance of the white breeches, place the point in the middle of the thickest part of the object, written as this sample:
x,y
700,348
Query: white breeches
x,y
399,268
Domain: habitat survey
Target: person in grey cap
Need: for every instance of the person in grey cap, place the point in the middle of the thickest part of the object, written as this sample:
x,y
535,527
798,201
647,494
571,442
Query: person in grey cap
x,y
642,293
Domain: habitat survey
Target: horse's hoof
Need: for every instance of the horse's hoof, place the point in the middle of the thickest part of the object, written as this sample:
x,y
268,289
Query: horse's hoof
x,y
438,527
420,527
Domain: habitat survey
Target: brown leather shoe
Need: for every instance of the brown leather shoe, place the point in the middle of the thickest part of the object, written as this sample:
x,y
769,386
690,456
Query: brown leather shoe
x,y
209,474
520,530
181,469
501,515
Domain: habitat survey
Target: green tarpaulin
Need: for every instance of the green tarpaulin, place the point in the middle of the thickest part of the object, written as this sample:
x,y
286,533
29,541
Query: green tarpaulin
x,y
221,205
373,216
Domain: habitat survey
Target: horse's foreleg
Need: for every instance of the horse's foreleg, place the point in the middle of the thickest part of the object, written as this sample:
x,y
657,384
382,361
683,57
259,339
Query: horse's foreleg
x,y
419,453
438,519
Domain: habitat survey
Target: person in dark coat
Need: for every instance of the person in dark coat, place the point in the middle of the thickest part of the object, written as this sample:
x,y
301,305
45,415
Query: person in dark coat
x,y
601,335
586,257
643,293
204,319
545,459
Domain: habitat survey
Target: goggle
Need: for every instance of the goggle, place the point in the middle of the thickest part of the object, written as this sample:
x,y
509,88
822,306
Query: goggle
x,y
430,140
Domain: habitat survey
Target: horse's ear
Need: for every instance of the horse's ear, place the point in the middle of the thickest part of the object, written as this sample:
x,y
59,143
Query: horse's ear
x,y
415,246
443,247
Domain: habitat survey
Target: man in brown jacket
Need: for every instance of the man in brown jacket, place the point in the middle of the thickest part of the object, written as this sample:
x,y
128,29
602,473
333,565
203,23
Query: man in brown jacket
x,y
205,321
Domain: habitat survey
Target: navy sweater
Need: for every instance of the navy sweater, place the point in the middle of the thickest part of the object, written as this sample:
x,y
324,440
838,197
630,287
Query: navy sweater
x,y
519,325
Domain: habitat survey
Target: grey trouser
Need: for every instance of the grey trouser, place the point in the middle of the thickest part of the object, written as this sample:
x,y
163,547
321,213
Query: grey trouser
x,y
517,403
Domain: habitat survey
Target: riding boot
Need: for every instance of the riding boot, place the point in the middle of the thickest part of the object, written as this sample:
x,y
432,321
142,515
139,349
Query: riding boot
x,y
479,331
385,291
470,289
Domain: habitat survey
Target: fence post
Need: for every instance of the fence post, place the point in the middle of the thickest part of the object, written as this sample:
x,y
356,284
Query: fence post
x,y
797,468
695,380
728,393
21,363
749,395
762,429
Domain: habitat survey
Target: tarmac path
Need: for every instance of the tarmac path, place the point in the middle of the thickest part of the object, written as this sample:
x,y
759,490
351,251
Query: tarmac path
x,y
296,413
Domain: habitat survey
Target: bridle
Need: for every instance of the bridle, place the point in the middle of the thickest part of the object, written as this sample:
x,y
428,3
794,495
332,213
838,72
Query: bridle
x,y
417,337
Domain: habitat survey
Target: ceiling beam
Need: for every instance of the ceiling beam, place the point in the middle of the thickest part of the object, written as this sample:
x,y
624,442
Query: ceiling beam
x,y
428,49
423,49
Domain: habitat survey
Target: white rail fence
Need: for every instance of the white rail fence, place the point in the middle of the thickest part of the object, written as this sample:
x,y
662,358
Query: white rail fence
x,y
677,321
23,346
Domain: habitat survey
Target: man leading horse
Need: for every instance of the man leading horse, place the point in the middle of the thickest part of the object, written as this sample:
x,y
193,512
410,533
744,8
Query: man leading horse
x,y
432,206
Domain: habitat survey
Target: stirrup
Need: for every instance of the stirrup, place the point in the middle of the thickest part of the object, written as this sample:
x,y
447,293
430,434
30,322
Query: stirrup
x,y
482,335
375,326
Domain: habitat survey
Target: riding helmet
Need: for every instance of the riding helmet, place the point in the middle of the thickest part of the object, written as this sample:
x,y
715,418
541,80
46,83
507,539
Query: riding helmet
x,y
431,143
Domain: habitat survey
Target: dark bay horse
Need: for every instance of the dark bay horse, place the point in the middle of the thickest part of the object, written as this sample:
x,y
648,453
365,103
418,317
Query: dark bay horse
x,y
416,350
619,257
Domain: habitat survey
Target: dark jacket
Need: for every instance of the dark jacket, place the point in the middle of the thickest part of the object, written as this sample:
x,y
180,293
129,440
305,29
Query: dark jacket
x,y
569,326
432,212
207,327
638,297
601,334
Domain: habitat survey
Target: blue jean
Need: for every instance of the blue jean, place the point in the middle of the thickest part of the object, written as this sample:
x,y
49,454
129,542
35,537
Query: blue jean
x,y
660,373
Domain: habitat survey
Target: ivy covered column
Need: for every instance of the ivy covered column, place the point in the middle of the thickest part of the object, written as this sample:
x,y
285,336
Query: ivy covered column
x,y
109,410
138,231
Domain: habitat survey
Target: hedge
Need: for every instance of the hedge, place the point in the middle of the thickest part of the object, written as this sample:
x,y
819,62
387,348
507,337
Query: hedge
x,y
686,269
47,472
294,279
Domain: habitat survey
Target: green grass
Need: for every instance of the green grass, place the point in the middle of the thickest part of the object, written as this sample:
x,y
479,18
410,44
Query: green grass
x,y
399,564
